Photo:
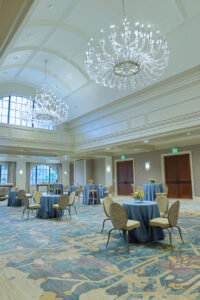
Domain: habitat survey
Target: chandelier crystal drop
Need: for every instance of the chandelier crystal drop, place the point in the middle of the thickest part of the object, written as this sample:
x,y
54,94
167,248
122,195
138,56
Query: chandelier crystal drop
x,y
46,108
130,59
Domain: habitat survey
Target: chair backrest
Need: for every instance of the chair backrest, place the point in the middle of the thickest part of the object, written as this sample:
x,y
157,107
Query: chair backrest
x,y
3,192
25,199
106,205
165,188
173,213
110,189
133,188
118,216
162,203
36,197
20,194
63,201
72,198
80,189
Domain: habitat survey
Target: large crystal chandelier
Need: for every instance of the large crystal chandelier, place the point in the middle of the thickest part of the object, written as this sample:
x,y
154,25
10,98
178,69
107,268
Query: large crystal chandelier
x,y
46,108
129,59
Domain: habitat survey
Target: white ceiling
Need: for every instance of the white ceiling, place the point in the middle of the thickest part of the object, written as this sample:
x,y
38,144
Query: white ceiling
x,y
59,31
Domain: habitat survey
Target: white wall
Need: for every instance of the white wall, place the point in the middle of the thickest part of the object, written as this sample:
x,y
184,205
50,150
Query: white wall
x,y
79,172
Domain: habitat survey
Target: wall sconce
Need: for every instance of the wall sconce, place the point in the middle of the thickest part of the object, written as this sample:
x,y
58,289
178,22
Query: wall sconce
x,y
147,165
21,172
65,172
108,169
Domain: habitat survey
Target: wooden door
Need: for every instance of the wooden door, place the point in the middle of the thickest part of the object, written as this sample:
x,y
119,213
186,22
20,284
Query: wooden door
x,y
178,176
124,177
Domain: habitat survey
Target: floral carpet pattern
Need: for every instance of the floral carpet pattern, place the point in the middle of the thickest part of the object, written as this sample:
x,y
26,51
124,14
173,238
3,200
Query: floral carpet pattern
x,y
67,259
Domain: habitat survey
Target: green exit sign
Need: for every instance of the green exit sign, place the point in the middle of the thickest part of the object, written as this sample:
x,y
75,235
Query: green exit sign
x,y
174,150
123,157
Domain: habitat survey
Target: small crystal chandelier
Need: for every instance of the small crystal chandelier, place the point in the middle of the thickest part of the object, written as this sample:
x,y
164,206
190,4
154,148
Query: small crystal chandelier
x,y
130,59
46,108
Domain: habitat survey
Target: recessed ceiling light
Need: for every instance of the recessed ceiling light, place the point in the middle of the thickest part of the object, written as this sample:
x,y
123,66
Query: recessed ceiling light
x,y
188,133
146,141
107,148
50,6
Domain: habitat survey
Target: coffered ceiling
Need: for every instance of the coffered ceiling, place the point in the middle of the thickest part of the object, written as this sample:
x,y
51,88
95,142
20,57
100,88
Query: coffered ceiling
x,y
59,31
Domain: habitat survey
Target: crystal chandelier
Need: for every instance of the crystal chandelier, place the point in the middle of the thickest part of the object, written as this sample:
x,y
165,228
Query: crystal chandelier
x,y
46,108
129,59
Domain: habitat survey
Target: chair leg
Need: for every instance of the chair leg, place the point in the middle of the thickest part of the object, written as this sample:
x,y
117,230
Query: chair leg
x,y
70,212
75,209
28,215
109,236
127,240
23,213
179,229
170,238
104,224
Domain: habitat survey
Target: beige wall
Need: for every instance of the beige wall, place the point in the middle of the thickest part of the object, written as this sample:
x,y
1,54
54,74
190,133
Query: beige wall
x,y
154,157
79,172
99,171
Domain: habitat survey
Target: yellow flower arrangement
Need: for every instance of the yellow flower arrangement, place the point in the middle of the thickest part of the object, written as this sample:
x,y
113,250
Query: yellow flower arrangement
x,y
90,181
138,195
152,180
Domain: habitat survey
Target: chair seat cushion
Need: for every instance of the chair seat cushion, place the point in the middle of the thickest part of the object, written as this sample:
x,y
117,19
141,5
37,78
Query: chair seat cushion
x,y
131,224
160,222
34,206
56,206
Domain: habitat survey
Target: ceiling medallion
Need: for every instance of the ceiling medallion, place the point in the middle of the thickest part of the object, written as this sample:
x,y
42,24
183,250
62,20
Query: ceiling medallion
x,y
130,59
47,108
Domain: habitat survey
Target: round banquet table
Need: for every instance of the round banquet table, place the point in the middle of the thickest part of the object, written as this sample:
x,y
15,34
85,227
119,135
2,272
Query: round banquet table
x,y
143,211
12,199
151,189
46,211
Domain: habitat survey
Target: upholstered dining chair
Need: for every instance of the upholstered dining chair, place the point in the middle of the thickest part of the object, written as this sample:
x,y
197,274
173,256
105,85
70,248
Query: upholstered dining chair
x,y
106,206
29,207
3,194
66,189
170,222
120,221
36,197
71,203
109,191
79,191
62,204
165,193
20,195
162,201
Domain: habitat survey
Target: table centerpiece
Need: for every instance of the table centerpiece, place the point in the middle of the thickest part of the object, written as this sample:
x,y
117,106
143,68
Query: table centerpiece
x,y
152,180
138,195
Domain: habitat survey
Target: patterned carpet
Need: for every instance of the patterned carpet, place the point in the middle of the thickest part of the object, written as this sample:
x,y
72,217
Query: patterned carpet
x,y
54,260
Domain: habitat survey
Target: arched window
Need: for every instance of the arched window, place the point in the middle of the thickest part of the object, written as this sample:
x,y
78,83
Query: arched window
x,y
43,174
3,174
9,112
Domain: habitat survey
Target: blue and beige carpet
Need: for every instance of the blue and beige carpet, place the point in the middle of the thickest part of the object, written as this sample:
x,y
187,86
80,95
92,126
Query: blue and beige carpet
x,y
54,260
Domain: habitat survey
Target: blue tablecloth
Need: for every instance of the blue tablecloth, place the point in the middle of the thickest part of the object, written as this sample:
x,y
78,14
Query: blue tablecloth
x,y
102,189
55,186
151,189
12,199
72,188
143,212
46,211
88,187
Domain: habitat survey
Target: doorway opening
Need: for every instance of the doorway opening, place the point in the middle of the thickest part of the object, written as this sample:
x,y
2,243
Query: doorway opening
x,y
124,177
